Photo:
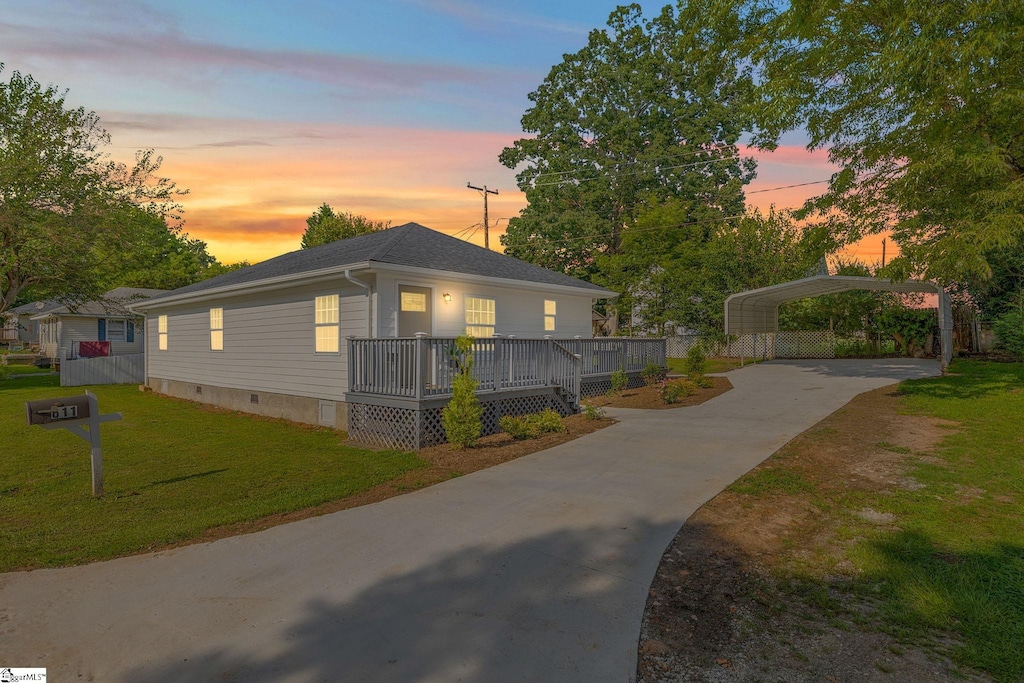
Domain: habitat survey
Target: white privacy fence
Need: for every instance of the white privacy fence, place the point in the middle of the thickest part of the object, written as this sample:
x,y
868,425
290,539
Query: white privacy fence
x,y
800,344
127,369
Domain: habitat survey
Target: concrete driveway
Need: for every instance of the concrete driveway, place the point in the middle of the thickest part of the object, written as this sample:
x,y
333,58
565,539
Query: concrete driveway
x,y
537,569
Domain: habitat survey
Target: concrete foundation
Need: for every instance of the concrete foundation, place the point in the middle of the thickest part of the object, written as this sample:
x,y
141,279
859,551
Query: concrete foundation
x,y
302,409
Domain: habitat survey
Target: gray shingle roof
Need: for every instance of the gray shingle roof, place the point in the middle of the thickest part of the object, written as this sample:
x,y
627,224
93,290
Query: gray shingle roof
x,y
405,245
35,307
115,302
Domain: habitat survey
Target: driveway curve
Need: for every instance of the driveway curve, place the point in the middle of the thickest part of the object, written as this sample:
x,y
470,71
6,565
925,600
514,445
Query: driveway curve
x,y
537,569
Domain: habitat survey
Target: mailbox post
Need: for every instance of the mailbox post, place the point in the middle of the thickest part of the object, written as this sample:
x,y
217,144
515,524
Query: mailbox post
x,y
74,413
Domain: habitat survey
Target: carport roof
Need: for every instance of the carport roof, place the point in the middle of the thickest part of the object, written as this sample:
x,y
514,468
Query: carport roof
x,y
757,310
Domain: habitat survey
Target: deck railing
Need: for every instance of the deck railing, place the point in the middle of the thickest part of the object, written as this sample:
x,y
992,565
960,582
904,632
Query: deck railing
x,y
424,367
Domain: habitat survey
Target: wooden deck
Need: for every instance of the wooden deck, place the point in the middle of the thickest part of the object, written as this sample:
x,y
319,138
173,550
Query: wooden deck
x,y
397,387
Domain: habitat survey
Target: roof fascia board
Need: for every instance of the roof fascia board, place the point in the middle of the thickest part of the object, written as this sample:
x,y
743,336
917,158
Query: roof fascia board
x,y
254,287
487,279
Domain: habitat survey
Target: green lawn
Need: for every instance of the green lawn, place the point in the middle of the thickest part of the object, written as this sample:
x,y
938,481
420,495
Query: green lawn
x,y
678,365
19,369
957,562
173,469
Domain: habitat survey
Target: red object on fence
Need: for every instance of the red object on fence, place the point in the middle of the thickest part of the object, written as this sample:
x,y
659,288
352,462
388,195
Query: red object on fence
x,y
93,349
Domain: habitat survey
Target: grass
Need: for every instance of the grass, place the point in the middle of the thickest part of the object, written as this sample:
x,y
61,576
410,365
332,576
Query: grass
x,y
957,562
953,561
173,470
21,369
771,480
716,364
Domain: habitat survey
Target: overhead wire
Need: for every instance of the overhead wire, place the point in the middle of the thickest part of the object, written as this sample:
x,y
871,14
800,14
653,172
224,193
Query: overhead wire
x,y
670,225
716,148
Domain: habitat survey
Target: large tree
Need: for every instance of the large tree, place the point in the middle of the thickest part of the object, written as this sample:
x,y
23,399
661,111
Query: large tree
x,y
325,225
161,258
648,111
67,212
919,103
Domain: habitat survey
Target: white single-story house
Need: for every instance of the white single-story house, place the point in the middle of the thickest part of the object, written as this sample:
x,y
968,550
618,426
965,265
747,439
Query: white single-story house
x,y
16,325
63,328
274,338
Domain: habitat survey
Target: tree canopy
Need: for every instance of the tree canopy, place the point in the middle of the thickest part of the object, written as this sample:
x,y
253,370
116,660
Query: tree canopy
x,y
646,112
920,105
325,226
68,214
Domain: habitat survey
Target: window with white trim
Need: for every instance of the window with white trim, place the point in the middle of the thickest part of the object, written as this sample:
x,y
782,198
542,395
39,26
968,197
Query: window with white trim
x,y
216,329
161,329
116,330
479,317
549,315
328,329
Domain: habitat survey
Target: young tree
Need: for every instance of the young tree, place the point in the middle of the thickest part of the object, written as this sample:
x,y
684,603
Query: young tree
x,y
64,207
326,226
648,111
919,102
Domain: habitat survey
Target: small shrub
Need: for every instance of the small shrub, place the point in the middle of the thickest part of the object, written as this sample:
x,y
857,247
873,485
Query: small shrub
x,y
546,422
5,371
653,374
533,425
696,361
461,418
592,412
673,391
516,427
619,380
702,381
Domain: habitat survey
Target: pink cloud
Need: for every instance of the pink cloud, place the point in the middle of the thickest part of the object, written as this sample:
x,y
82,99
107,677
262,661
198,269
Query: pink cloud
x,y
143,51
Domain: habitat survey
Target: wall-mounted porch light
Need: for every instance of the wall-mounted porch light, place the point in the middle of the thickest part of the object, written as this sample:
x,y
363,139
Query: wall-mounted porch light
x,y
447,297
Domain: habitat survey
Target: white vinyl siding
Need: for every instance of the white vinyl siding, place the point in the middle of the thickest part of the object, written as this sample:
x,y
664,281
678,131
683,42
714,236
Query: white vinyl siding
x,y
66,330
162,332
480,316
550,308
269,348
327,326
216,329
517,311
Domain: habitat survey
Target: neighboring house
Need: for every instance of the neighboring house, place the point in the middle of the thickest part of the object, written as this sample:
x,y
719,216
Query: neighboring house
x,y
272,338
64,328
18,325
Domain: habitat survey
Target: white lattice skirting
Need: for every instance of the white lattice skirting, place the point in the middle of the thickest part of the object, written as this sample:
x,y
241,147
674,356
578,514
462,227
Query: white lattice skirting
x,y
411,429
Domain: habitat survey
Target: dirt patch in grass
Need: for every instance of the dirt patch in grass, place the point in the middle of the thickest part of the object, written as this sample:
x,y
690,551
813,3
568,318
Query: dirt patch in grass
x,y
726,603
445,462
649,398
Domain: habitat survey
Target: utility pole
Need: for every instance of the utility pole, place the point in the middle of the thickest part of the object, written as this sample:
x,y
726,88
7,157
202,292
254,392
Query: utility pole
x,y
883,253
487,225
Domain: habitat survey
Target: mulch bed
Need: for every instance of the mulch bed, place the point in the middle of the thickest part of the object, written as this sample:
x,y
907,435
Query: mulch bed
x,y
649,398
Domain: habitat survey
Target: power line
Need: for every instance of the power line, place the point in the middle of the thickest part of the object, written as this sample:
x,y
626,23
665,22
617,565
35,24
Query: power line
x,y
671,225
716,148
786,187
617,173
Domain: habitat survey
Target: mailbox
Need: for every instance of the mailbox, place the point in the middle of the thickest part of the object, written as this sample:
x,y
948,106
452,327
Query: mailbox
x,y
67,409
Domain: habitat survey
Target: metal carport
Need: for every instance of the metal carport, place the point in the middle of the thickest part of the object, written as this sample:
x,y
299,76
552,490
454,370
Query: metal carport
x,y
756,311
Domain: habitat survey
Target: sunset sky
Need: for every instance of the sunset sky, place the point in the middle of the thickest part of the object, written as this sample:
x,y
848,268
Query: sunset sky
x,y
265,110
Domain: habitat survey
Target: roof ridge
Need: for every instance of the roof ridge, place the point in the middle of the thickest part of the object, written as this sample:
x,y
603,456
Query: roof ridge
x,y
399,237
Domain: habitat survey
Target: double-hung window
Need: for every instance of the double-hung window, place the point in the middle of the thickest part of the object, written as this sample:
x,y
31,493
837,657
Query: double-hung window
x,y
549,315
217,329
326,323
479,316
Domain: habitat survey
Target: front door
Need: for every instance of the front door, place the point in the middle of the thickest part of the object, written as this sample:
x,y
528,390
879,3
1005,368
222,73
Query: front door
x,y
414,310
